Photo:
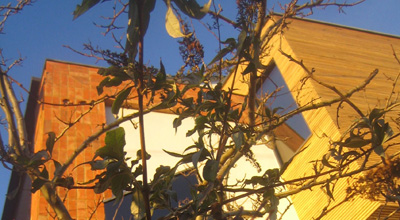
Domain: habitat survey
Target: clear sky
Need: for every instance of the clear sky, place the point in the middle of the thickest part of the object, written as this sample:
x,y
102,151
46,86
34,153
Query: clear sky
x,y
41,30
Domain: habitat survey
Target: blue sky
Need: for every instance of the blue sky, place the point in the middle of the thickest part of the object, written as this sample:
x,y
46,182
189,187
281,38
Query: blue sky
x,y
41,30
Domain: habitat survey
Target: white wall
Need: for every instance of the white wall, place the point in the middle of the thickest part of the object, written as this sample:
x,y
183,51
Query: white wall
x,y
160,135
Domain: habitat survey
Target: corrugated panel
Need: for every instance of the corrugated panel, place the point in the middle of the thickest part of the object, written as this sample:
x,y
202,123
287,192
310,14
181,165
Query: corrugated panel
x,y
343,57
386,210
334,63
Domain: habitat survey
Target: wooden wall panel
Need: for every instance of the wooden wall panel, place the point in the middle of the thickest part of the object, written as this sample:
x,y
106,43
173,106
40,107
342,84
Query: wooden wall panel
x,y
343,57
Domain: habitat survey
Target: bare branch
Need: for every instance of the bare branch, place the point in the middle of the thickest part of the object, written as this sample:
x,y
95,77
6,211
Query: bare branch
x,y
8,10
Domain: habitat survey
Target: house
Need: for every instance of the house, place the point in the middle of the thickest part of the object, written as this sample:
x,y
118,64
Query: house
x,y
339,55
342,57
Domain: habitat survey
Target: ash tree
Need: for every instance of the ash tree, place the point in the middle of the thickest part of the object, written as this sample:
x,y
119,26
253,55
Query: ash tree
x,y
234,126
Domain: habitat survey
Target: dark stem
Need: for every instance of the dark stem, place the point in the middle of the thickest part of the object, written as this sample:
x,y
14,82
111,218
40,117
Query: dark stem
x,y
255,52
145,190
219,42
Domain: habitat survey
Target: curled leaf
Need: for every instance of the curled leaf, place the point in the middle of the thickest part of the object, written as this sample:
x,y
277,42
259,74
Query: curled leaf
x,y
192,9
84,6
172,23
120,99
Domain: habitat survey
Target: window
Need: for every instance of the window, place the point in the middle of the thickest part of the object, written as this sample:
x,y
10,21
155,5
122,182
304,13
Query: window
x,y
289,137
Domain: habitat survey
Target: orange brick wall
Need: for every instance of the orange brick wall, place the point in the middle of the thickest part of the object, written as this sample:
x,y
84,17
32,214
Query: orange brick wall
x,y
69,83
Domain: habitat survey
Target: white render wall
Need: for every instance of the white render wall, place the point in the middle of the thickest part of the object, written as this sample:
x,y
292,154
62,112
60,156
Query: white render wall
x,y
160,134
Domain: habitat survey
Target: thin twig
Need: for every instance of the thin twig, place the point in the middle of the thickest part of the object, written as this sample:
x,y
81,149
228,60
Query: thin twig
x,y
97,205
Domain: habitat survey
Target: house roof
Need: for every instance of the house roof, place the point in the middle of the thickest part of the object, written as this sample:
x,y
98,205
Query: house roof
x,y
342,56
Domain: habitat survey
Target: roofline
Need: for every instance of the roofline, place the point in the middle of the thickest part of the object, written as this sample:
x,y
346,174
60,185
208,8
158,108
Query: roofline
x,y
341,26
69,62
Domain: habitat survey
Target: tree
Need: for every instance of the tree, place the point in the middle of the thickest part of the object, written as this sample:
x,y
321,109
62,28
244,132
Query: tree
x,y
238,127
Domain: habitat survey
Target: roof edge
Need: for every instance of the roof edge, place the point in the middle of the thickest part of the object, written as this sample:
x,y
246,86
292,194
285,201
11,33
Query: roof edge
x,y
339,25
70,62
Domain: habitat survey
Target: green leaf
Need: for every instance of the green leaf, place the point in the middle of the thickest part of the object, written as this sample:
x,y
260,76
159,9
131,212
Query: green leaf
x,y
119,183
257,180
238,138
221,54
115,142
84,6
39,157
210,170
250,68
387,134
115,71
120,99
272,205
116,138
139,155
275,110
57,166
132,32
161,170
241,40
176,123
206,7
101,164
375,114
51,139
116,81
102,185
138,171
137,205
39,182
200,122
192,9
382,131
380,151
109,82
230,41
187,158
173,154
273,174
172,23
161,77
114,167
196,157
97,177
100,87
